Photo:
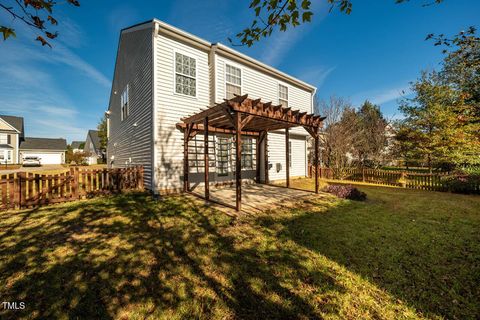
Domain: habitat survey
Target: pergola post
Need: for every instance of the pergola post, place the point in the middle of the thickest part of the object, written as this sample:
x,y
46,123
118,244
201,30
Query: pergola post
x,y
257,159
205,158
238,161
186,136
265,158
287,156
316,160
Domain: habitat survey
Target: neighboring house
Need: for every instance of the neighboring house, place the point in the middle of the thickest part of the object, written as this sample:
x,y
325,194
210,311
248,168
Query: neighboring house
x,y
92,147
50,151
14,146
11,133
163,74
77,146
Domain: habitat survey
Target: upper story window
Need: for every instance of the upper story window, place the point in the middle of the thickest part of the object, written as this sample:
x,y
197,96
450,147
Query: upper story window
x,y
233,81
283,95
5,138
185,75
125,103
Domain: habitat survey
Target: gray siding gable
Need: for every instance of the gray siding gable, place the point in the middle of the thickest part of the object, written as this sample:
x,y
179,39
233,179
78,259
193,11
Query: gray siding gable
x,y
130,140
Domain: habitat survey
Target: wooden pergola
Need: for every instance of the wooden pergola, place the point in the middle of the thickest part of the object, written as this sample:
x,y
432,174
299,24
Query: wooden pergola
x,y
244,116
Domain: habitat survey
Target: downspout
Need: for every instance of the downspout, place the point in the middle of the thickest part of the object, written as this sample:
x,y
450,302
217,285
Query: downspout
x,y
154,173
212,61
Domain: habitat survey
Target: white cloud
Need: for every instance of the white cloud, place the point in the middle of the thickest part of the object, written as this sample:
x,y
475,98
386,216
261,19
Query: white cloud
x,y
390,95
383,95
316,75
279,43
30,85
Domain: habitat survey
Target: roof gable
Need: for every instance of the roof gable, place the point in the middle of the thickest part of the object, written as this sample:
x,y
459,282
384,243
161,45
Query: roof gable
x,y
93,134
16,123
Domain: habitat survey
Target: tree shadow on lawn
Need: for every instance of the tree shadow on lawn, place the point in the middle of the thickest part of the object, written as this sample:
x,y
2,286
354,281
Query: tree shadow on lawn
x,y
426,254
129,256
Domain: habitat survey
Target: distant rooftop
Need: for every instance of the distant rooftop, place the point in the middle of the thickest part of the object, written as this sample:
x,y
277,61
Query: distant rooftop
x,y
43,144
77,144
16,122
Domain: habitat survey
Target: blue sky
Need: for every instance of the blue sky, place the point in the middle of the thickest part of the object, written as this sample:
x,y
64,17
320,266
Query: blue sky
x,y
371,54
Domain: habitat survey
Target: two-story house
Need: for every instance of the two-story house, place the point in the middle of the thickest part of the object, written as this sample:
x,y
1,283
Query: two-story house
x,y
14,146
163,74
11,133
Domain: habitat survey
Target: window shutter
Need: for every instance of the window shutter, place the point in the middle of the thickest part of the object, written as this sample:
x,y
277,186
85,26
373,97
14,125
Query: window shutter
x,y
9,139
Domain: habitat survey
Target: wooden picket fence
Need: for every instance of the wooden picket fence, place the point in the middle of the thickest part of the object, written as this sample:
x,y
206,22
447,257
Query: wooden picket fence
x,y
405,179
26,190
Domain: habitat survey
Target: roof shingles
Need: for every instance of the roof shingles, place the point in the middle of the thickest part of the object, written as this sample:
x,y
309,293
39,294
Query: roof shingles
x,y
43,144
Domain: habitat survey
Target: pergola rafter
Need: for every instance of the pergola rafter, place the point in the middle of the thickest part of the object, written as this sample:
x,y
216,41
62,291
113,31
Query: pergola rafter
x,y
244,116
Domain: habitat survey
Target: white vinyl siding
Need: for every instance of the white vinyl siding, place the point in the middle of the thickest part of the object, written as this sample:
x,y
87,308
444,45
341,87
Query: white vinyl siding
x,y
185,75
260,85
276,154
233,81
283,95
171,107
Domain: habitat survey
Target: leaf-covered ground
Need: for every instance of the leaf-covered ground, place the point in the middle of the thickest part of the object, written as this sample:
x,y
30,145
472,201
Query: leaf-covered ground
x,y
400,254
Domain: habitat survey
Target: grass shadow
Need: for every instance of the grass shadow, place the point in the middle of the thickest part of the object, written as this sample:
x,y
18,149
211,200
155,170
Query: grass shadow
x,y
129,256
421,247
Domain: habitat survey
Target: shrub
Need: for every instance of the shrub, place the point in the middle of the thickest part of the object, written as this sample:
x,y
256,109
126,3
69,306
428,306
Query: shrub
x,y
346,192
462,183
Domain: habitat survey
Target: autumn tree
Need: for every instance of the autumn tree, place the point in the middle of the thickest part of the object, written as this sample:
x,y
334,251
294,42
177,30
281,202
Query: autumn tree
x,y
370,138
338,132
102,133
36,14
434,124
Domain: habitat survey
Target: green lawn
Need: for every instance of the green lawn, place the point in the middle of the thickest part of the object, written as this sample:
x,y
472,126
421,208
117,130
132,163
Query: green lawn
x,y
400,254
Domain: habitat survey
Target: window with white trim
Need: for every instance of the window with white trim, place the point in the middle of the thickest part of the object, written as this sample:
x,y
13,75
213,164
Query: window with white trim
x,y
3,138
290,154
233,81
283,95
125,103
223,155
248,154
185,75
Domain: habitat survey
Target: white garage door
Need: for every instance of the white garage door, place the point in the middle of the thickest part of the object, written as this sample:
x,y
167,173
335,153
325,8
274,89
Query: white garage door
x,y
46,157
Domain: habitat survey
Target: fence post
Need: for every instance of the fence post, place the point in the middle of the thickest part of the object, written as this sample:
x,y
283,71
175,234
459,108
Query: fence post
x,y
20,191
74,173
140,181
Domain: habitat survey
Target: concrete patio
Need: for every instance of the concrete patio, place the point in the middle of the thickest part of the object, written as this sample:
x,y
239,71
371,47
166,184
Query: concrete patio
x,y
257,197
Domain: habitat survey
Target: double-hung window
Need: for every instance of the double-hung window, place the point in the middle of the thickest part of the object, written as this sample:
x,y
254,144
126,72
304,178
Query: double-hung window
x,y
283,95
247,153
4,138
233,81
185,75
125,103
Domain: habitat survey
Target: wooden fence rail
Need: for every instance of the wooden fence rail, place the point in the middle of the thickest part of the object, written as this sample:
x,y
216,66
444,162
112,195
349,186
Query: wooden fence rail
x,y
405,179
26,189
